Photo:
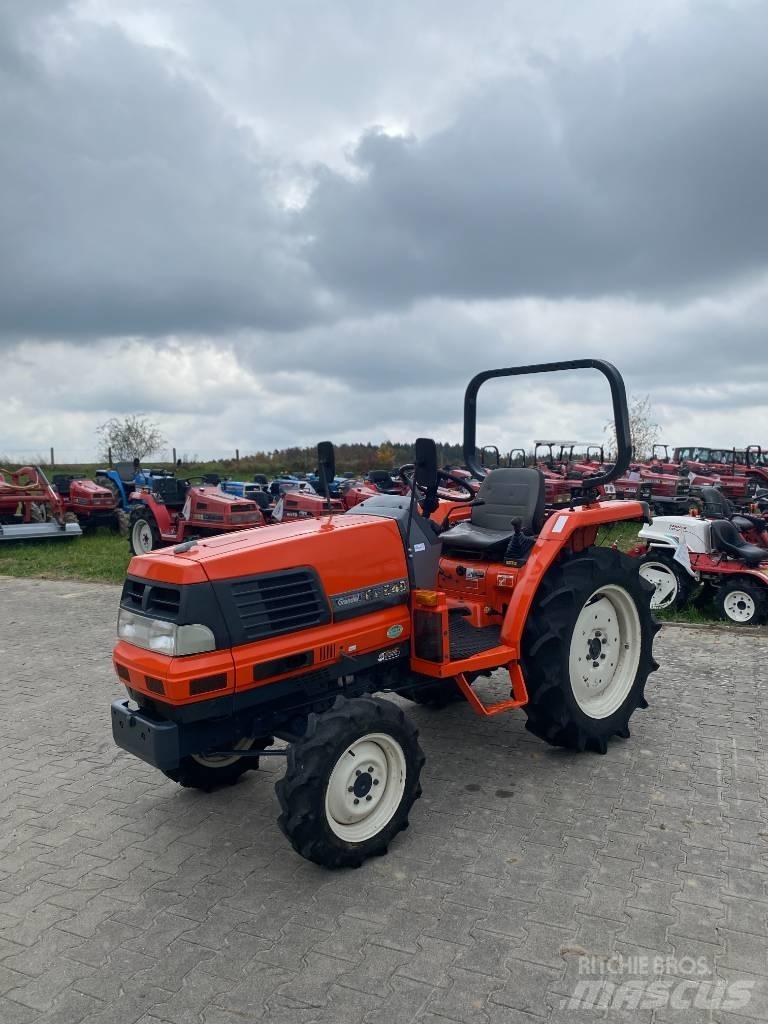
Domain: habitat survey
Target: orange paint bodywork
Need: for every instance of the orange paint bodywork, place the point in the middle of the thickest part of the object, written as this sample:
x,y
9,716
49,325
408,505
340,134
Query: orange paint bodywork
x,y
348,553
355,552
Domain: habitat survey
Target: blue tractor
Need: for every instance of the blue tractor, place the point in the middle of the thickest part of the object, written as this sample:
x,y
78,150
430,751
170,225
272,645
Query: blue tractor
x,y
124,478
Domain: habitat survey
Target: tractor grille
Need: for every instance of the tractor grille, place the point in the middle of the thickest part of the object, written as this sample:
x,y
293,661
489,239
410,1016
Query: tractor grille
x,y
279,603
241,508
165,600
148,597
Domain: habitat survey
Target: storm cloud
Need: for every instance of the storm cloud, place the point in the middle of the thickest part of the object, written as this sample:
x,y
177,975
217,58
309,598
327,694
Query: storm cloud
x,y
336,216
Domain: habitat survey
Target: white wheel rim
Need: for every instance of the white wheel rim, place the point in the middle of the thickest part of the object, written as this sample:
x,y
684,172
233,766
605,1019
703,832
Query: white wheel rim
x,y
365,787
739,606
663,581
224,760
605,651
142,536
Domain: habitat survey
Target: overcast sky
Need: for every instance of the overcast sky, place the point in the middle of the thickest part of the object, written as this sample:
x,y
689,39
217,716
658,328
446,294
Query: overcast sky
x,y
265,224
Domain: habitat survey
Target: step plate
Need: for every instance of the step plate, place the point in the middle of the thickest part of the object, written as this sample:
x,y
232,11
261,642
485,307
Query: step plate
x,y
467,640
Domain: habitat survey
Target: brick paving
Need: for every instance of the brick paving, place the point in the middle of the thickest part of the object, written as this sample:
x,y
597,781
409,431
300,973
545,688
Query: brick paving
x,y
124,898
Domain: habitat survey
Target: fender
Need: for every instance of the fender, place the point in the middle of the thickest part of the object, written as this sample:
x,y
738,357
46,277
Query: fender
x,y
557,530
158,510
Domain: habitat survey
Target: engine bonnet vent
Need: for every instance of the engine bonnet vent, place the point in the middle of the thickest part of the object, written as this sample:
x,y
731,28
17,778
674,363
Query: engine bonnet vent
x,y
281,602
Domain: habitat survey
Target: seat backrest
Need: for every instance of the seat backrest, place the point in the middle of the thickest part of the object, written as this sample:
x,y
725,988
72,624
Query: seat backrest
x,y
511,494
726,538
715,502
125,471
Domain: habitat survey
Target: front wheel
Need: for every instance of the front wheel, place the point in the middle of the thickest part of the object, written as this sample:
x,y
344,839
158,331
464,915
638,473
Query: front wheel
x,y
588,650
216,770
672,586
143,532
742,603
351,781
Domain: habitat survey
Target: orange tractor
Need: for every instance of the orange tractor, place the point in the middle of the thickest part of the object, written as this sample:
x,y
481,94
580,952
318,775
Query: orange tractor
x,y
288,632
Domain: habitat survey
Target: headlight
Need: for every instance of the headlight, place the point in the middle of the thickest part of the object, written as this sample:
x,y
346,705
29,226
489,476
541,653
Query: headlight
x,y
164,637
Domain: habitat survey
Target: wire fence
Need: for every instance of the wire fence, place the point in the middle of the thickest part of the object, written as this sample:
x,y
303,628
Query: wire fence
x,y
52,456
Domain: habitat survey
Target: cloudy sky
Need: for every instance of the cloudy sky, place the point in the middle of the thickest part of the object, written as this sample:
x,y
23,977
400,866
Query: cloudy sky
x,y
264,224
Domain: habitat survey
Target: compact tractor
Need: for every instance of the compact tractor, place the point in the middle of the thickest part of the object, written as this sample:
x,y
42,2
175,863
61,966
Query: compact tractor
x,y
90,503
723,550
290,632
171,511
30,509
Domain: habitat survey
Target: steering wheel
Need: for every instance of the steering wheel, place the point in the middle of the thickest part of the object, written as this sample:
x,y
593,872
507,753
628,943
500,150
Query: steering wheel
x,y
406,474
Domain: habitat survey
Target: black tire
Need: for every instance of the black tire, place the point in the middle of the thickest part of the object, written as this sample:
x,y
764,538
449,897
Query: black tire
x,y
142,515
742,602
110,485
683,584
304,790
553,711
202,773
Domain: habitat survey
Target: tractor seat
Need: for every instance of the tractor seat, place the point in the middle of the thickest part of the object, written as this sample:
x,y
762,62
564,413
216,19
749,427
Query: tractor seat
x,y
726,538
383,481
715,502
506,494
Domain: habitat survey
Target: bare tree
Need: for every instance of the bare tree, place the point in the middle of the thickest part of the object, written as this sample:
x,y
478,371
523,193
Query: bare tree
x,y
643,428
135,437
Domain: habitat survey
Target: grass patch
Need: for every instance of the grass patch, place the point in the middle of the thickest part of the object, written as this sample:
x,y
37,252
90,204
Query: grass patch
x,y
101,556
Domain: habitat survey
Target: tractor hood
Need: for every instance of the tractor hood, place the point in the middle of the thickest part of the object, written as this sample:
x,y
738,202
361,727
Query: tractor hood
x,y
348,552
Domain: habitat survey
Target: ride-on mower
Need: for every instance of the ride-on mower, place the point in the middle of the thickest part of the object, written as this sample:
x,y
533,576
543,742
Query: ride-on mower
x,y
725,552
289,631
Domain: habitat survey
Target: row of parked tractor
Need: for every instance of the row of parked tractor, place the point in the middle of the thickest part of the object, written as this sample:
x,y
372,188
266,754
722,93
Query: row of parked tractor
x,y
708,539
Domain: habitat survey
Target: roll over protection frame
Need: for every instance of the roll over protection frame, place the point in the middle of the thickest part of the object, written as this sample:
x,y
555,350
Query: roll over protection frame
x,y
620,413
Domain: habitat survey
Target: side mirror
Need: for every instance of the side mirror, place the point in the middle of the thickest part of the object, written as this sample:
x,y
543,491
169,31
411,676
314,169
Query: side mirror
x,y
425,459
326,464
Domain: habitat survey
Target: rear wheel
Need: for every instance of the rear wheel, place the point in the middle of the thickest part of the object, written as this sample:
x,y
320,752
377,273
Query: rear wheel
x,y
742,603
587,650
672,586
351,782
143,532
207,773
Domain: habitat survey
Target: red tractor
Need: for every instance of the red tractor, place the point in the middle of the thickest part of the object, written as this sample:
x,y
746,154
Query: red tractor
x,y
90,503
289,632
30,509
172,511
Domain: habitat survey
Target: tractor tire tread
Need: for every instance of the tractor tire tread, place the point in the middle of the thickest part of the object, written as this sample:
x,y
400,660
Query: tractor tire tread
x,y
301,792
552,713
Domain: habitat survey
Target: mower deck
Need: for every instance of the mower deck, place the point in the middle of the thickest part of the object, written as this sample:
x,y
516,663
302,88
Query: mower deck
x,y
38,531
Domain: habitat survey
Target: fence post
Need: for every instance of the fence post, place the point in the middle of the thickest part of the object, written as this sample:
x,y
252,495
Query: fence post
x,y
174,456
51,458
237,455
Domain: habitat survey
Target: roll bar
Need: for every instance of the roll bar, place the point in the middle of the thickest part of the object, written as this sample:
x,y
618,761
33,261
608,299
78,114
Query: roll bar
x,y
618,397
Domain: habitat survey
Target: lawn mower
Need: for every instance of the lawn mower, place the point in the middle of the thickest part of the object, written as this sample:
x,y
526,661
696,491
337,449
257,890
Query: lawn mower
x,y
171,511
90,503
726,551
30,509
289,632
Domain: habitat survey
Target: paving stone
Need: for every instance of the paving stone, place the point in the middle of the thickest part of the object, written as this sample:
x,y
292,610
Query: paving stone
x,y
126,899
